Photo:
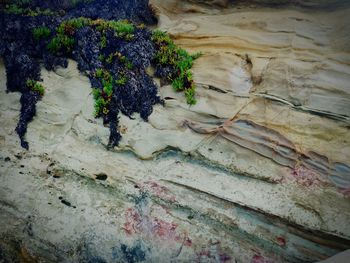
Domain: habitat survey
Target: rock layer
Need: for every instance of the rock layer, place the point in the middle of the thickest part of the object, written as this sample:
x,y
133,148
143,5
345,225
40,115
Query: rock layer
x,y
257,171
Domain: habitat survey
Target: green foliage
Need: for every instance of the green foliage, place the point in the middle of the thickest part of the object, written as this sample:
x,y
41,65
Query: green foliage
x,y
121,80
101,57
99,73
35,86
178,84
123,59
59,42
122,28
190,93
14,9
160,37
17,9
68,27
109,59
180,59
103,97
101,106
41,32
129,65
65,31
102,74
103,42
108,87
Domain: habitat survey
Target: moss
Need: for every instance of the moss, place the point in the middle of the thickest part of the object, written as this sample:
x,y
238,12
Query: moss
x,y
35,86
41,33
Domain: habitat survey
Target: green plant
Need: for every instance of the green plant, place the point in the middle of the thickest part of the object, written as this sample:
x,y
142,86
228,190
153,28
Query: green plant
x,y
35,86
101,103
159,37
129,65
190,93
103,42
68,27
103,97
121,80
108,87
99,73
59,42
65,31
122,27
109,59
17,9
180,60
14,9
101,57
41,32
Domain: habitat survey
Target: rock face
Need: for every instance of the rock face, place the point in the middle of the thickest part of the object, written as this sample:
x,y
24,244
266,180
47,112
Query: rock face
x,y
257,171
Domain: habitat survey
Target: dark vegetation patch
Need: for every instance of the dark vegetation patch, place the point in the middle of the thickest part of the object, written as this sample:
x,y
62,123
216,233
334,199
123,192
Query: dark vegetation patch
x,y
111,45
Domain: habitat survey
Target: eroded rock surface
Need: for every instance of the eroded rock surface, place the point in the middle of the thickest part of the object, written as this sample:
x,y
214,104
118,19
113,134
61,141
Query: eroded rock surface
x,y
256,171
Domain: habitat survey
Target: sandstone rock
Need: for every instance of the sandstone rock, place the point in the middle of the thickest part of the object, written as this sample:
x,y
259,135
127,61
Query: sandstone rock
x,y
271,186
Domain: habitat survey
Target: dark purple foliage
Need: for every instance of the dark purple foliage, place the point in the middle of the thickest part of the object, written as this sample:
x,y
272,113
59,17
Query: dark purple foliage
x,y
23,56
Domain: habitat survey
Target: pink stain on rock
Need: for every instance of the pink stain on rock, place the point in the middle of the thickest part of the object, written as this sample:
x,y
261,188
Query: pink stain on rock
x,y
132,222
153,227
306,177
281,241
